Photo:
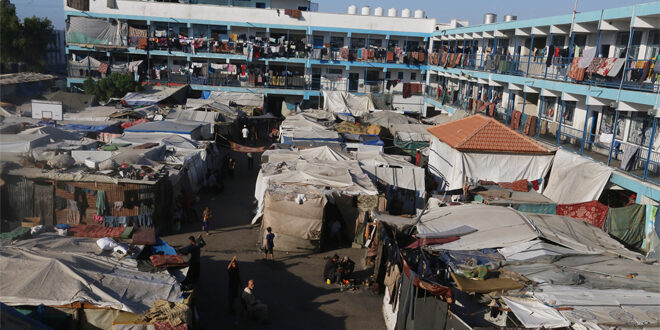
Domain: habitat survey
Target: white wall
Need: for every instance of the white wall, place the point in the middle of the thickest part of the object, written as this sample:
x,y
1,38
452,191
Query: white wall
x,y
259,16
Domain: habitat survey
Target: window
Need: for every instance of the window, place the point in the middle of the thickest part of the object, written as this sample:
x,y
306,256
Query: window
x,y
335,71
400,76
549,105
622,43
388,75
558,41
318,42
375,42
336,42
640,128
569,112
357,42
607,122
653,44
303,8
260,5
412,45
373,76
393,44
580,40
413,76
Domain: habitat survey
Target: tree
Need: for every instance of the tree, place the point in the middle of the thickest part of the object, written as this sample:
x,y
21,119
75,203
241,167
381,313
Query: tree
x,y
114,85
26,42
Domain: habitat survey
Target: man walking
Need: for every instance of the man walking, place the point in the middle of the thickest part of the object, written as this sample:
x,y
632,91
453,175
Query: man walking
x,y
194,250
245,132
206,217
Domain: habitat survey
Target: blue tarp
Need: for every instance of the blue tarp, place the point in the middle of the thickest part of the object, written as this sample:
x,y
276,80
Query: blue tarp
x,y
371,140
111,128
162,246
206,95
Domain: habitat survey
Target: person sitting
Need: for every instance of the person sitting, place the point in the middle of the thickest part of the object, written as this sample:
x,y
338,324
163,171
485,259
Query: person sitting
x,y
330,270
255,308
346,267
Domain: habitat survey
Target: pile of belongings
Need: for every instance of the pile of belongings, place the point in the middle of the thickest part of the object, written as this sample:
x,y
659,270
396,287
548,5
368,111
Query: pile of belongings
x,y
166,313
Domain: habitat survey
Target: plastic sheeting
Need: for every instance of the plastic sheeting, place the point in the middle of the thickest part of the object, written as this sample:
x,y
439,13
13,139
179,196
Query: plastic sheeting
x,y
56,270
187,129
321,154
97,31
533,249
411,178
343,102
16,143
240,99
387,118
575,179
378,158
54,134
302,220
534,314
452,166
153,95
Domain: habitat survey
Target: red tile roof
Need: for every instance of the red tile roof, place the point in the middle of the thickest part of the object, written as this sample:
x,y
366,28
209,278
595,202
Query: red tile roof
x,y
479,133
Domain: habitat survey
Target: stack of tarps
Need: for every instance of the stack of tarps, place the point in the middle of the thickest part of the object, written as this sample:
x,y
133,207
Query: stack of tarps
x,y
298,127
96,31
410,137
537,270
344,102
155,95
293,195
74,269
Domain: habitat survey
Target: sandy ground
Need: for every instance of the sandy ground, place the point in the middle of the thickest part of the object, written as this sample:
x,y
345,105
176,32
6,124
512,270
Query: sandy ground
x,y
292,286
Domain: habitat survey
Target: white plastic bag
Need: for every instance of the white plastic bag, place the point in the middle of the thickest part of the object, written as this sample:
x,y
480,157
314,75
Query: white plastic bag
x,y
121,248
106,243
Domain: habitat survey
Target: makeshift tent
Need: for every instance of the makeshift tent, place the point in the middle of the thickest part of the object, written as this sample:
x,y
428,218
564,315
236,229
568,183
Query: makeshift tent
x,y
155,95
575,179
534,314
72,102
377,158
101,113
255,100
189,130
627,224
481,148
410,137
22,143
54,134
320,154
445,118
344,102
172,141
347,127
74,269
387,118
206,118
297,127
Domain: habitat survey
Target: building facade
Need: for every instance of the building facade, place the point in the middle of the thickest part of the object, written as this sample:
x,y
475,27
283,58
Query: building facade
x,y
596,95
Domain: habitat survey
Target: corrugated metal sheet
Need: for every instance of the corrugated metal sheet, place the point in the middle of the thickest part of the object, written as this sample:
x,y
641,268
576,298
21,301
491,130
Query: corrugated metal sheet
x,y
43,202
17,198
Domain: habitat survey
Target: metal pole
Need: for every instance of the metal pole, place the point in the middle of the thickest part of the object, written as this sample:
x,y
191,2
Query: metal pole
x,y
529,57
515,52
648,155
561,119
614,131
538,124
584,133
523,107
545,74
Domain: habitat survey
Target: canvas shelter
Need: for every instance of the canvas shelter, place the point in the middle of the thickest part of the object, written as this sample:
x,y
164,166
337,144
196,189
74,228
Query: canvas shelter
x,y
481,148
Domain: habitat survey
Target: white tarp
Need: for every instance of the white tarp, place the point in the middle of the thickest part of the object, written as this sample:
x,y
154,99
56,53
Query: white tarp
x,y
344,102
496,226
185,129
171,141
575,179
533,249
241,99
192,115
55,270
414,103
22,143
411,178
378,158
452,166
100,113
54,134
534,314
386,118
411,132
444,118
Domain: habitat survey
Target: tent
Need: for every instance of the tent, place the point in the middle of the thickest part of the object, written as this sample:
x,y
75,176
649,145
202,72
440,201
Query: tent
x,y
410,137
445,118
387,118
15,143
344,102
297,127
189,130
347,127
72,102
321,154
255,100
54,134
481,148
74,269
575,179
155,95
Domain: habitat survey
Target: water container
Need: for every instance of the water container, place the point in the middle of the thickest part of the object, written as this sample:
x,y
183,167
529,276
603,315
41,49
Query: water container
x,y
392,12
490,18
352,10
379,11
419,13
509,18
366,10
405,12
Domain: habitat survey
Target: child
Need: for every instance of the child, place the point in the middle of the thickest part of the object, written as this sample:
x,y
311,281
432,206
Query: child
x,y
269,244
206,216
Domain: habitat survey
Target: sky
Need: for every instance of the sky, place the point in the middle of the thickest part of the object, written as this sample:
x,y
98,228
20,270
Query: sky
x,y
442,10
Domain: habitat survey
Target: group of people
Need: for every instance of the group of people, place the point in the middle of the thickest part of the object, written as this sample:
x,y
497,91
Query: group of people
x,y
335,271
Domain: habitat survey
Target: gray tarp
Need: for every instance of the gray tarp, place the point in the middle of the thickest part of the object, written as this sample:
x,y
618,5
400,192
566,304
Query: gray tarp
x,y
154,95
344,102
387,118
241,99
98,31
56,270
575,179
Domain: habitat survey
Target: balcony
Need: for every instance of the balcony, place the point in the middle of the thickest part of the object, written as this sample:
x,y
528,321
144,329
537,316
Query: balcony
x,y
612,73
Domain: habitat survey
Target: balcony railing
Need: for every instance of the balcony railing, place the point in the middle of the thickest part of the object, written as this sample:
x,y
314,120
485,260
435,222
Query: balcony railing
x,y
630,74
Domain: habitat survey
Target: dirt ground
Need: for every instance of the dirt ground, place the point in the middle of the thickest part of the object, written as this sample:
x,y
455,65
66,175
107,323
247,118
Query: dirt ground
x,y
292,286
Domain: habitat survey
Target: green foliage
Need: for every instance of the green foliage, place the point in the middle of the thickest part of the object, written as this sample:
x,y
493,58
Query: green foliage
x,y
114,85
26,42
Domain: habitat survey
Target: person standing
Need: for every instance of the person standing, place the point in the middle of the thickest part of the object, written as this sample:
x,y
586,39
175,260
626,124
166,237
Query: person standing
x,y
206,217
231,166
246,133
270,244
250,161
194,249
234,285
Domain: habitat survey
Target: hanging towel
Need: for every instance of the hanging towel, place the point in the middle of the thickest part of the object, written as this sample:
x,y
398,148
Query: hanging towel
x,y
101,203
